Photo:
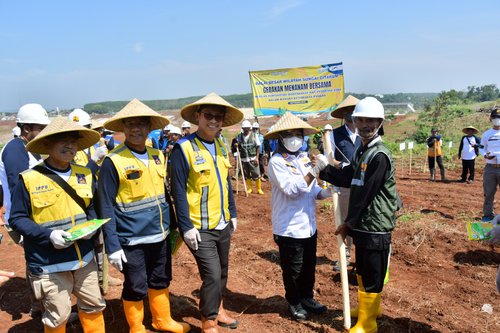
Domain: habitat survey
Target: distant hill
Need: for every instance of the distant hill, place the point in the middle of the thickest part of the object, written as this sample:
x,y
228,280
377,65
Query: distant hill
x,y
245,101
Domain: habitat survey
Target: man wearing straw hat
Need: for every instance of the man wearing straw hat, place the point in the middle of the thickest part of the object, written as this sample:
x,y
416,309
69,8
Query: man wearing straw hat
x,y
204,201
344,143
468,151
49,199
132,193
293,202
372,210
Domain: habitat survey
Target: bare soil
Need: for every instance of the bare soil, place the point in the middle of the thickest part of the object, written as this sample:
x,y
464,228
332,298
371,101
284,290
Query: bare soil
x,y
439,281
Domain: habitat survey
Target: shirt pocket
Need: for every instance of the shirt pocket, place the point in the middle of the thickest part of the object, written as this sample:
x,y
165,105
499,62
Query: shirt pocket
x,y
203,174
45,200
135,183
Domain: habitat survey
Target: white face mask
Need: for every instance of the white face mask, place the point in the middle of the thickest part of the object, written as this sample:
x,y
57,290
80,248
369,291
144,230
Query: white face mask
x,y
293,143
496,121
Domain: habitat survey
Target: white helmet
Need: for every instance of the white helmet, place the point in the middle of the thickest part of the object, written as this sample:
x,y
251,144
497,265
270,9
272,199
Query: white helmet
x,y
16,131
32,114
256,125
246,124
175,130
186,124
369,107
168,127
328,127
79,116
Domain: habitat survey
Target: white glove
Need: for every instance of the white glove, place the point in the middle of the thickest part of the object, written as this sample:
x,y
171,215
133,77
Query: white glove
x,y
234,221
57,239
117,259
100,153
321,163
495,235
191,238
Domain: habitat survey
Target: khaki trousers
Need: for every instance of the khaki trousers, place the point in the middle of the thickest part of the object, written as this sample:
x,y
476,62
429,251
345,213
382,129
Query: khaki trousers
x,y
55,289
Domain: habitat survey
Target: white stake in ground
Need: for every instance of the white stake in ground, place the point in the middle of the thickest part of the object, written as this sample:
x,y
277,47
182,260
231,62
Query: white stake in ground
x,y
340,243
402,147
410,148
450,144
242,173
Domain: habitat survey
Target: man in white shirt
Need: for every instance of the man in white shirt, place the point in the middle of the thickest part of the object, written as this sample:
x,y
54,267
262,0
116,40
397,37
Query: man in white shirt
x,y
468,151
491,175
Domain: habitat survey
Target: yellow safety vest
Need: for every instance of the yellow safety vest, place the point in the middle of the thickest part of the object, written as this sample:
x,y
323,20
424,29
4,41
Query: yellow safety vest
x,y
52,207
141,209
437,145
82,158
207,188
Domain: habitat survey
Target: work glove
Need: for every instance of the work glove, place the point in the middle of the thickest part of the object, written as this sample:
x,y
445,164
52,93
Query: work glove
x,y
191,238
100,153
495,236
57,238
234,221
321,163
117,259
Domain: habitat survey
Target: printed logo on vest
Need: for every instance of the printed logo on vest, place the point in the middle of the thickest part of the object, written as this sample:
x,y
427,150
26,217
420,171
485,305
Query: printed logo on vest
x,y
80,178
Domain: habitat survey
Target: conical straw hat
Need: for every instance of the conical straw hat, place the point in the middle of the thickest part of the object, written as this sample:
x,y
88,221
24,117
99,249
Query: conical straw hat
x,y
287,122
475,130
232,116
40,144
136,108
345,107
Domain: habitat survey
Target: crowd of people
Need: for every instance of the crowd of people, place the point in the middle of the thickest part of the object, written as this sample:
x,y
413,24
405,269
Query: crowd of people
x,y
165,179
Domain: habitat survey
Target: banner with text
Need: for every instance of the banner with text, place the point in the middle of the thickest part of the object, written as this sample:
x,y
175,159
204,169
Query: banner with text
x,y
312,89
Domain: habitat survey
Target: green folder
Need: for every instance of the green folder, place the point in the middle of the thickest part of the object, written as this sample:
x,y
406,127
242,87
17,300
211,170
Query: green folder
x,y
84,229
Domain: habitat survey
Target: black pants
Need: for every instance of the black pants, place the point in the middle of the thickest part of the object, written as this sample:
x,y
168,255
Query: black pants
x,y
468,166
373,252
298,265
149,266
212,258
439,160
261,164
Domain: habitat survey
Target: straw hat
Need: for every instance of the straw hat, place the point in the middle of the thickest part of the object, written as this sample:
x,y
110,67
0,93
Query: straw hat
x,y
287,122
232,116
136,108
40,144
475,130
345,107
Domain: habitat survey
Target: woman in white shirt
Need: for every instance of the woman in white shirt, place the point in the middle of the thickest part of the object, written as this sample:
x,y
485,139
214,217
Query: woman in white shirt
x,y
294,192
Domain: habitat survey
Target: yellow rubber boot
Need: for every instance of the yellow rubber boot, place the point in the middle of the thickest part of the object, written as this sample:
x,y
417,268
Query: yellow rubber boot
x,y
367,313
355,311
249,186
134,313
59,329
159,303
259,186
92,322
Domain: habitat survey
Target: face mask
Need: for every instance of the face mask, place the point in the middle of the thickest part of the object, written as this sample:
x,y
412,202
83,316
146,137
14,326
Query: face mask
x,y
292,144
496,121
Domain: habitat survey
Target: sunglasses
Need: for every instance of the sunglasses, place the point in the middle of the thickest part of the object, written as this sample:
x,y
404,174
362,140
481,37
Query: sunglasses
x,y
209,116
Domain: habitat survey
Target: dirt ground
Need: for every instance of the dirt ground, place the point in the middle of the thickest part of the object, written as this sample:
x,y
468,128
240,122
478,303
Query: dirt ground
x,y
439,281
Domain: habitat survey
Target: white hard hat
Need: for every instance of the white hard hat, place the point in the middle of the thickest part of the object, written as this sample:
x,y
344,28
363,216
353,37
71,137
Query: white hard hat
x,y
328,127
369,107
246,124
168,127
32,114
256,125
175,130
186,124
79,116
16,131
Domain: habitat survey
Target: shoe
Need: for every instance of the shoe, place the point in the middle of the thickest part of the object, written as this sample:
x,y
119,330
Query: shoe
x,y
470,181
312,305
461,181
225,320
487,218
297,312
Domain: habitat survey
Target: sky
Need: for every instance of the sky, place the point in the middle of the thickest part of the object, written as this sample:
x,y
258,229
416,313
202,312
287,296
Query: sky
x,y
65,54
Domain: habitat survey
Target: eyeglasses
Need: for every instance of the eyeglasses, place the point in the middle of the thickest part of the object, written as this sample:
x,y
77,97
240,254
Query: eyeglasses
x,y
210,116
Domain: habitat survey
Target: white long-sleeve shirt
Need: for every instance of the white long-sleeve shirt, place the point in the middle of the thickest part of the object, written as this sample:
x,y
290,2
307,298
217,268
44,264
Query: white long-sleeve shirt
x,y
491,143
293,202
